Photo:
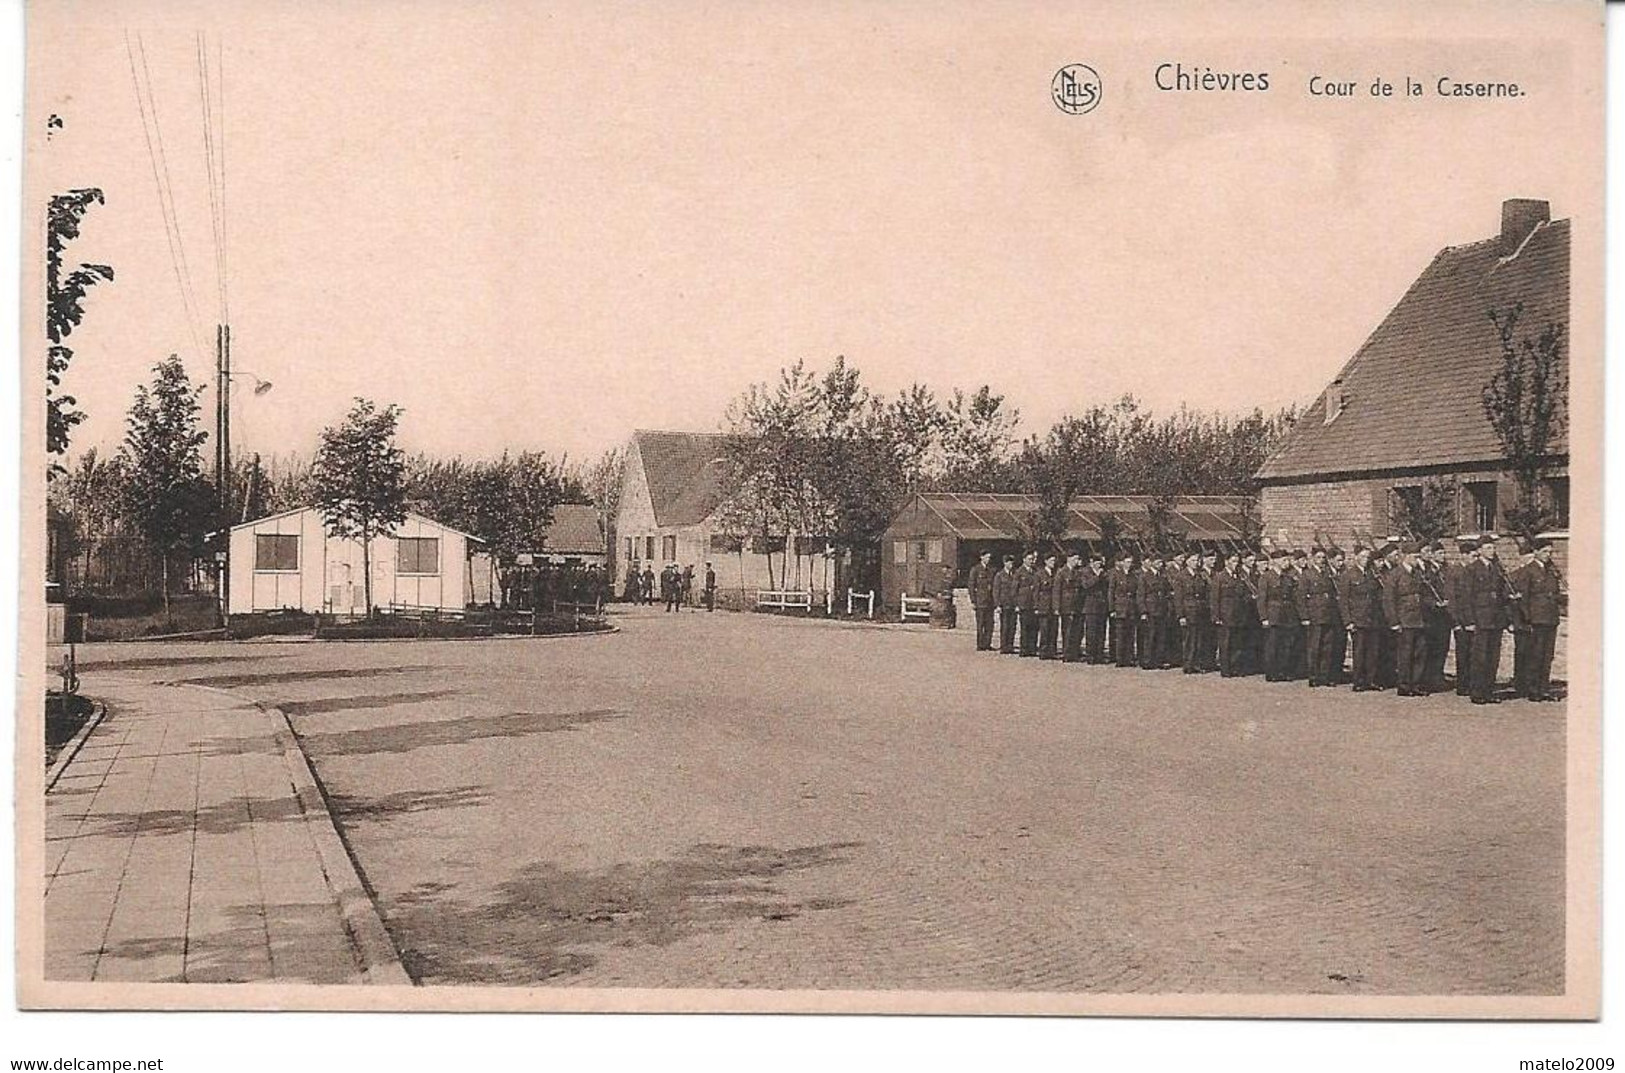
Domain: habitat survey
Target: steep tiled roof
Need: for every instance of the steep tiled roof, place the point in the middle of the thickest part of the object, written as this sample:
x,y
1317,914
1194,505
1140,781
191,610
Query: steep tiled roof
x,y
574,531
684,472
1413,391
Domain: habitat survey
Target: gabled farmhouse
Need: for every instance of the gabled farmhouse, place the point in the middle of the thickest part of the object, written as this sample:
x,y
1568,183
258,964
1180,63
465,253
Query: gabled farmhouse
x,y
1407,407
671,493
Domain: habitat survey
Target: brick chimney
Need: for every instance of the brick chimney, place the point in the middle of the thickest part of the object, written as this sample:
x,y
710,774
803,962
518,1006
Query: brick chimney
x,y
1519,216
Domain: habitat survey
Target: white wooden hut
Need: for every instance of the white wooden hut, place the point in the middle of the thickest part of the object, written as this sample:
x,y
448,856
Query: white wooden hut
x,y
287,560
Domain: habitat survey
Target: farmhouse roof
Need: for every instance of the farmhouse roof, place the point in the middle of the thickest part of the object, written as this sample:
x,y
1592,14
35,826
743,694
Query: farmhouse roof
x,y
684,472
574,531
1001,516
1411,396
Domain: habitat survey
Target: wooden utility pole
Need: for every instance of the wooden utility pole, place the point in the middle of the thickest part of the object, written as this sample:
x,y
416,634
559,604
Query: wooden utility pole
x,y
222,458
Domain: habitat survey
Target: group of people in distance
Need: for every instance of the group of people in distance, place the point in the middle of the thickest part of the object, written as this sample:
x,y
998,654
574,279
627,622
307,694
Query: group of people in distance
x,y
1381,618
675,586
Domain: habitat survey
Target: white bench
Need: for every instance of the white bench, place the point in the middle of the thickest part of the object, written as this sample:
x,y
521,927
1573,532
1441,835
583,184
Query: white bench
x,y
787,599
915,607
868,599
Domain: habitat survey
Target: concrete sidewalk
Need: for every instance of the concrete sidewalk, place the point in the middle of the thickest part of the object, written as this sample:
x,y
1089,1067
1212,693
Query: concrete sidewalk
x,y
187,841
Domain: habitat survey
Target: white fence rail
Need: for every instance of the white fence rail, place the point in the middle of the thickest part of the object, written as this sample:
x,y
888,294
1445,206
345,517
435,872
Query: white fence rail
x,y
915,607
868,599
788,599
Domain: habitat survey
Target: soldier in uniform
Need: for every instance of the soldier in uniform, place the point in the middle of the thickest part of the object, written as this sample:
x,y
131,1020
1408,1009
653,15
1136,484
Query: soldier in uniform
x,y
1069,607
1247,650
1361,600
1317,610
1461,612
1278,616
1093,582
1195,616
1541,586
1387,561
1404,608
1300,650
980,584
1026,603
1336,563
710,588
1004,598
1122,595
1491,594
1210,643
1224,590
1044,605
1521,636
1436,630
1155,599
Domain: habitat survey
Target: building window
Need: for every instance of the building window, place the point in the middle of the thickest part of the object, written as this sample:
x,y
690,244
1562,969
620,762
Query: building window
x,y
630,554
275,551
1337,400
1483,498
668,548
649,547
1557,496
417,555
899,552
727,542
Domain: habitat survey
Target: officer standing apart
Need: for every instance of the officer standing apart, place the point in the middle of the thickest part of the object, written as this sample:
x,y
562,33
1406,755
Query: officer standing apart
x,y
980,584
710,588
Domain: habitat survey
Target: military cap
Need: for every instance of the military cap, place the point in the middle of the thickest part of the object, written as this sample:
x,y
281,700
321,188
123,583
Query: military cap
x,y
1383,550
1488,538
1299,553
1097,556
1333,551
1125,556
1466,543
1009,558
1525,546
1541,543
1409,547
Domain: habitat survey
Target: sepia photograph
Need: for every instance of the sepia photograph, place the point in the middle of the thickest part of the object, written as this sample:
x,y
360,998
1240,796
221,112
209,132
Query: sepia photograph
x,y
844,507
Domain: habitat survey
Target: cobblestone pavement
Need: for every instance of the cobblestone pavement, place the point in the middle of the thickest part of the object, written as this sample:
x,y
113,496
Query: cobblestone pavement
x,y
732,800
178,849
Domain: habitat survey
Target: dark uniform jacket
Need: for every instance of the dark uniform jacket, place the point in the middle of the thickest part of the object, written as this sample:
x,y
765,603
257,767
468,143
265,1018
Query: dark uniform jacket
x,y
1317,598
1487,596
1155,594
1093,584
1226,597
1454,589
1405,598
980,584
1275,600
1360,597
1069,590
1044,592
1026,587
1004,588
1540,586
1123,593
1193,597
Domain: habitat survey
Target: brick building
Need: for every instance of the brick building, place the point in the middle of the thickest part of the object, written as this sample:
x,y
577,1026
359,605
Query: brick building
x,y
671,492
1407,408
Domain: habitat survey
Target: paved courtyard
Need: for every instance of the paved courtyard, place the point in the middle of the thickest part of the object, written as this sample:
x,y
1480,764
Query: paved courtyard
x,y
732,800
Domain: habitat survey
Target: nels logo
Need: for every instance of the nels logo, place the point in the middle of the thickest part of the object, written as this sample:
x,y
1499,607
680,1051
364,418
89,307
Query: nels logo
x,y
1076,89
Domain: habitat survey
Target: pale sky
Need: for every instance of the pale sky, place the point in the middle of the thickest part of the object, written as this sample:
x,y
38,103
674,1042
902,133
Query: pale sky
x,y
544,226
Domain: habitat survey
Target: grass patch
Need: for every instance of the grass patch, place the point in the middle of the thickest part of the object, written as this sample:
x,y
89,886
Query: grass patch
x,y
65,715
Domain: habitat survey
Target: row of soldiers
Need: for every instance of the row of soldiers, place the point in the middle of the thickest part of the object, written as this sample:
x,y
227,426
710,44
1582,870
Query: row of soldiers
x,y
675,586
1394,606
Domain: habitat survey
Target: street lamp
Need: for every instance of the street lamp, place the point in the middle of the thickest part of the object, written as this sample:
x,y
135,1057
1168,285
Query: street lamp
x,y
222,460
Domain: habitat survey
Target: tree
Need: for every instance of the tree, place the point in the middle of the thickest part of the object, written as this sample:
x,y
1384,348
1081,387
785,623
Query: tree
x,y
977,433
168,498
64,309
602,482
359,480
1427,511
1526,402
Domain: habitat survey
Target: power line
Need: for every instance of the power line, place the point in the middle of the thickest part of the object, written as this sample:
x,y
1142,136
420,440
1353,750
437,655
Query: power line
x,y
213,143
160,177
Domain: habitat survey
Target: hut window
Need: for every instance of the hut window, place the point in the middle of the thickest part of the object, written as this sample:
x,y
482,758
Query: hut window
x,y
899,552
418,555
276,551
933,551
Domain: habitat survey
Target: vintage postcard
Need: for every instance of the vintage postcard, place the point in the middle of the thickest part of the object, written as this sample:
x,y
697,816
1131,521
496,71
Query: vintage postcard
x,y
1005,507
